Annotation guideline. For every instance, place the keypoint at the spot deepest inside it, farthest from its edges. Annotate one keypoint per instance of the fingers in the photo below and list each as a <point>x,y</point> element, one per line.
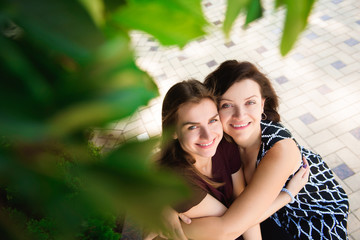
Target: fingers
<point>306,167</point>
<point>178,231</point>
<point>175,233</point>
<point>179,234</point>
<point>172,221</point>
<point>150,236</point>
<point>184,218</point>
<point>305,162</point>
<point>303,173</point>
<point>162,235</point>
<point>307,173</point>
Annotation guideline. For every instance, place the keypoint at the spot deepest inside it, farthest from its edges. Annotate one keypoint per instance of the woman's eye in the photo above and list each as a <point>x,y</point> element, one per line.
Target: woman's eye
<point>213,120</point>
<point>251,102</point>
<point>192,127</point>
<point>225,105</point>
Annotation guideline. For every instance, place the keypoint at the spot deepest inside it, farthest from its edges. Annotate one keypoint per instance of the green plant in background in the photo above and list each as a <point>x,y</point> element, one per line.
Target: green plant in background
<point>67,66</point>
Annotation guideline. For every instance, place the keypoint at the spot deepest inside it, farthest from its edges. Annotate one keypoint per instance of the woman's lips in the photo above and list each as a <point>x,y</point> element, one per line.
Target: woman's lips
<point>240,125</point>
<point>206,145</point>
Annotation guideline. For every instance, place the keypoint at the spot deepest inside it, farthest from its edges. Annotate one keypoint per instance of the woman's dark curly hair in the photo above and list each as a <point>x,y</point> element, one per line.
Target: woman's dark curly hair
<point>232,71</point>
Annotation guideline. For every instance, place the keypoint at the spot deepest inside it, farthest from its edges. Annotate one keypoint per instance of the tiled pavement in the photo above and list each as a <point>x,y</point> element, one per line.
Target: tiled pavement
<point>318,81</point>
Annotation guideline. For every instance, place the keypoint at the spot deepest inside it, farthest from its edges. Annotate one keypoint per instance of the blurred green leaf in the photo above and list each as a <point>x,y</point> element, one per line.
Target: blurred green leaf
<point>279,3</point>
<point>110,107</point>
<point>109,88</point>
<point>41,183</point>
<point>95,9</point>
<point>114,68</point>
<point>14,60</point>
<point>119,87</point>
<point>23,129</point>
<point>127,178</point>
<point>36,193</point>
<point>174,22</point>
<point>13,224</point>
<point>63,26</point>
<point>254,11</point>
<point>233,10</point>
<point>295,22</point>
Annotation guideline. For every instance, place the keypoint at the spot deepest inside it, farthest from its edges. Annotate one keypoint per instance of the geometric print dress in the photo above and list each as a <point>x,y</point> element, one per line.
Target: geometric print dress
<point>321,208</point>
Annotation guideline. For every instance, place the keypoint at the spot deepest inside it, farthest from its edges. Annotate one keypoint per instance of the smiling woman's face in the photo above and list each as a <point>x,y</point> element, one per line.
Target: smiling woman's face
<point>199,129</point>
<point>240,111</point>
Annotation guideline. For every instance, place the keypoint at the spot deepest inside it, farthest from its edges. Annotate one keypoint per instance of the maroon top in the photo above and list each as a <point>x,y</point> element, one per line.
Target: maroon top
<point>225,162</point>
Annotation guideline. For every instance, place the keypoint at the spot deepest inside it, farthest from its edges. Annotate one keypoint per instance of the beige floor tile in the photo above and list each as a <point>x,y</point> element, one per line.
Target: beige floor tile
<point>353,223</point>
<point>351,142</point>
<point>320,137</point>
<point>353,182</point>
<point>329,147</point>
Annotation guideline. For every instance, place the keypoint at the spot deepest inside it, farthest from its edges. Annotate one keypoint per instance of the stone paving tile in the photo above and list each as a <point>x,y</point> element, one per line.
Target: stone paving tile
<point>356,133</point>
<point>343,171</point>
<point>307,118</point>
<point>318,81</point>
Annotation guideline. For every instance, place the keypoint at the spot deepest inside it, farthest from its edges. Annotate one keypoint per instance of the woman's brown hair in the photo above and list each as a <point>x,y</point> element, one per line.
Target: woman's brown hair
<point>171,154</point>
<point>232,71</point>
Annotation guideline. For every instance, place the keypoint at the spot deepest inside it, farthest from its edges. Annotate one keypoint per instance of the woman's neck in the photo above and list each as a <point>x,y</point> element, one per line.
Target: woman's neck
<point>204,166</point>
<point>248,155</point>
<point>250,149</point>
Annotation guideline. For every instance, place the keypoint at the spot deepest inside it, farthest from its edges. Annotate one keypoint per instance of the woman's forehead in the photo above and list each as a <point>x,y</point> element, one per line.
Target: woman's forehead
<point>197,112</point>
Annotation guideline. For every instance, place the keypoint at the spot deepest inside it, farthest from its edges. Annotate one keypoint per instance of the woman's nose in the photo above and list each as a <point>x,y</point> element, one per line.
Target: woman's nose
<point>205,133</point>
<point>237,112</point>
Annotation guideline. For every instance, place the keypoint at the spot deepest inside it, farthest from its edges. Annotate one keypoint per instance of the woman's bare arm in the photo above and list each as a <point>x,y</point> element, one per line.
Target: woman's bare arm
<point>209,206</point>
<point>297,182</point>
<point>238,179</point>
<point>268,180</point>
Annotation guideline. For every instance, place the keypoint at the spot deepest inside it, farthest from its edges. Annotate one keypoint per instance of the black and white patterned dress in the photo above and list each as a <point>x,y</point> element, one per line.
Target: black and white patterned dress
<point>321,208</point>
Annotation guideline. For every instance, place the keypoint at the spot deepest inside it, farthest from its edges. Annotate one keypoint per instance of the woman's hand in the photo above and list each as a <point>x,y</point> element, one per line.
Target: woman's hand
<point>173,225</point>
<point>299,180</point>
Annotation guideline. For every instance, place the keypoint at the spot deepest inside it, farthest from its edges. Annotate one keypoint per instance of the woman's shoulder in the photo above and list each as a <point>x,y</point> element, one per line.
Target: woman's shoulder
<point>272,132</point>
<point>270,127</point>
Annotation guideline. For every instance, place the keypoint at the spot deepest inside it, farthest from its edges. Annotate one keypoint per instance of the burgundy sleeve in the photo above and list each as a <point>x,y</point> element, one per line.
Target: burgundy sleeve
<point>197,195</point>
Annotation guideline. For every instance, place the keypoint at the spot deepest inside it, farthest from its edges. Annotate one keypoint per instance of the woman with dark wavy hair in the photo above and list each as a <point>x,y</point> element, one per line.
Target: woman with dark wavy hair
<point>248,109</point>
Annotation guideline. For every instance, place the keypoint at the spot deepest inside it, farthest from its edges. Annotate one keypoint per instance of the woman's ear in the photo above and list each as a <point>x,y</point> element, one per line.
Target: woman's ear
<point>175,136</point>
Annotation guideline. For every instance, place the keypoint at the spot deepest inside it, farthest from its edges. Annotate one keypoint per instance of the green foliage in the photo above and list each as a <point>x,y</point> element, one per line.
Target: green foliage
<point>254,11</point>
<point>67,66</point>
<point>174,22</point>
<point>295,22</point>
<point>99,228</point>
<point>92,228</point>
<point>42,229</point>
<point>233,10</point>
<point>297,13</point>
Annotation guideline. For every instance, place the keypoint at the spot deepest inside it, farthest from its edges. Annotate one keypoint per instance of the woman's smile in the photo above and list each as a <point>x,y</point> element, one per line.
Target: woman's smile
<point>240,126</point>
<point>207,145</point>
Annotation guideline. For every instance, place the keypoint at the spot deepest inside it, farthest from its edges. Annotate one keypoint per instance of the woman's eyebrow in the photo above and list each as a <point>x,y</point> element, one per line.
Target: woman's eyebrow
<point>225,99</point>
<point>190,123</point>
<point>252,96</point>
<point>196,123</point>
<point>217,114</point>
